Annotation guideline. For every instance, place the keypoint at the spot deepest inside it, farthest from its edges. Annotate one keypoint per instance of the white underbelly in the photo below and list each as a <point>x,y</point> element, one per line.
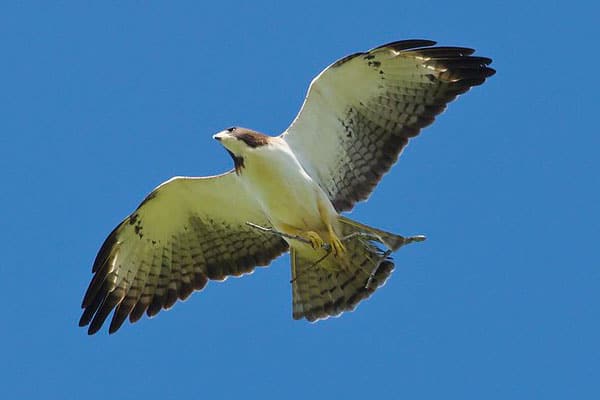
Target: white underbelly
<point>287,194</point>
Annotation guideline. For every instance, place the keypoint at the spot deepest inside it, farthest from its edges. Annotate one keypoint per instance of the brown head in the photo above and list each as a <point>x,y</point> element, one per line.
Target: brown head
<point>238,141</point>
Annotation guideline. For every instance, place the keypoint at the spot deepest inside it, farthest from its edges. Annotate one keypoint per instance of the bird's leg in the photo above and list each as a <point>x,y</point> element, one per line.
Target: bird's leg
<point>313,237</point>
<point>336,244</point>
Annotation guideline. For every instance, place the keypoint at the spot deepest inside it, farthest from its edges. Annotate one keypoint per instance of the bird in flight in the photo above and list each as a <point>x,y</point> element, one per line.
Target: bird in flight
<point>287,193</point>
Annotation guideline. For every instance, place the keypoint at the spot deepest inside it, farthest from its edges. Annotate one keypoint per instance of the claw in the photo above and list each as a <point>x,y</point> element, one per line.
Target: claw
<point>338,247</point>
<point>315,240</point>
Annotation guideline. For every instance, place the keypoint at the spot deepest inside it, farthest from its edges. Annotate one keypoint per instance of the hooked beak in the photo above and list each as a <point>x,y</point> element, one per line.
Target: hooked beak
<point>220,136</point>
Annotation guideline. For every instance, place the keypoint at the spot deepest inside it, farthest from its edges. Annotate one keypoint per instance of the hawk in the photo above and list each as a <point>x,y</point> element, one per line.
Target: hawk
<point>287,193</point>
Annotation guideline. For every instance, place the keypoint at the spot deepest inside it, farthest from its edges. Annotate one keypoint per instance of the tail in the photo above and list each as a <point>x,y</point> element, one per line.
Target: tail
<point>324,285</point>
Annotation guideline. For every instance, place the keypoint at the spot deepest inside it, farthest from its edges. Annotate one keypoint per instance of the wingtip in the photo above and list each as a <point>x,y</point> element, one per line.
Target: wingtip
<point>86,317</point>
<point>116,323</point>
<point>94,327</point>
<point>415,239</point>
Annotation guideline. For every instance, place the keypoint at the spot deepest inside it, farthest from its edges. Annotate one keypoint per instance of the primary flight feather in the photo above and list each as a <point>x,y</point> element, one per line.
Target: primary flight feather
<point>357,117</point>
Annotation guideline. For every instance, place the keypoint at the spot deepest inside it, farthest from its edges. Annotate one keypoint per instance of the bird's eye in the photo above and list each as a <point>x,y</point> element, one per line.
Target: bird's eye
<point>231,129</point>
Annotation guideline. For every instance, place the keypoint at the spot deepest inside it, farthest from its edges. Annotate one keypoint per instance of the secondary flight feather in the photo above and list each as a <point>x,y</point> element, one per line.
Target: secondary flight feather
<point>358,115</point>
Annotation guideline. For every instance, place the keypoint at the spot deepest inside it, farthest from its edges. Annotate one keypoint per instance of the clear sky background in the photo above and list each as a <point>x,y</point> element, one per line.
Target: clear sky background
<point>99,104</point>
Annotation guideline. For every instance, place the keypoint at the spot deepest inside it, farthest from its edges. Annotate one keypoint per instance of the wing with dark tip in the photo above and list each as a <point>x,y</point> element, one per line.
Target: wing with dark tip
<point>186,232</point>
<point>361,111</point>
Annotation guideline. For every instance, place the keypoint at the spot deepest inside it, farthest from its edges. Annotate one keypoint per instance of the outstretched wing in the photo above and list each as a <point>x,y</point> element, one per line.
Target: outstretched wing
<point>187,231</point>
<point>361,111</point>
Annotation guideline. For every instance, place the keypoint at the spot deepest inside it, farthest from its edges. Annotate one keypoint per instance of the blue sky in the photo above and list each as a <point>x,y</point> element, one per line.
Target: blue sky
<point>102,103</point>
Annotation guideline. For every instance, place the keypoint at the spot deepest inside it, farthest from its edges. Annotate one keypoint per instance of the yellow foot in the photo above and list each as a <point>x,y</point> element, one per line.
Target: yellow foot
<point>315,240</point>
<point>336,244</point>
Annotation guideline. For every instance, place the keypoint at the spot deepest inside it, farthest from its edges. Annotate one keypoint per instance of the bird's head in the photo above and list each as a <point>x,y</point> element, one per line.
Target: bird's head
<point>239,142</point>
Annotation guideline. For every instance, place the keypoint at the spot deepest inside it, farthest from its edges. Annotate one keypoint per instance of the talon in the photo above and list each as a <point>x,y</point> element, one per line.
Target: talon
<point>337,245</point>
<point>315,240</point>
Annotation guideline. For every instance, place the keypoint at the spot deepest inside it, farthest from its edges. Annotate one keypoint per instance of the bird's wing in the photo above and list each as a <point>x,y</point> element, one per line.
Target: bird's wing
<point>187,231</point>
<point>360,112</point>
